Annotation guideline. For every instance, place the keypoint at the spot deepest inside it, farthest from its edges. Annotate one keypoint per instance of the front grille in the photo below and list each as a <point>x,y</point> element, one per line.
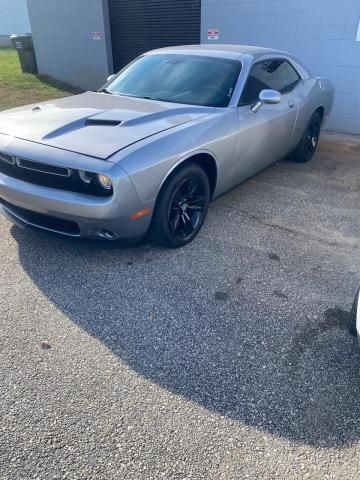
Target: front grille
<point>7,158</point>
<point>41,220</point>
<point>48,176</point>
<point>41,167</point>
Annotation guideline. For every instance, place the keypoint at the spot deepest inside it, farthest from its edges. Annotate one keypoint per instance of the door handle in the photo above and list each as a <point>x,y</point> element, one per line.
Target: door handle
<point>291,104</point>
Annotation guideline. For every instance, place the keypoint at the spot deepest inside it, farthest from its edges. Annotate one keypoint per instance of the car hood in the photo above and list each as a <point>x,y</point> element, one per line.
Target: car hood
<point>95,124</point>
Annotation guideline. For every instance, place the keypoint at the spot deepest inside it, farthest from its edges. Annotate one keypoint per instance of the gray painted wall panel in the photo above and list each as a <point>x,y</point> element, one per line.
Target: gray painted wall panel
<point>65,49</point>
<point>5,41</point>
<point>321,33</point>
<point>14,17</point>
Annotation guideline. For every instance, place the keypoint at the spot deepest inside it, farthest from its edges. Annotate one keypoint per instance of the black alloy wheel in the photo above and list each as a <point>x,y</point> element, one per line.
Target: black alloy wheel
<point>312,136</point>
<point>181,207</point>
<point>308,144</point>
<point>187,208</point>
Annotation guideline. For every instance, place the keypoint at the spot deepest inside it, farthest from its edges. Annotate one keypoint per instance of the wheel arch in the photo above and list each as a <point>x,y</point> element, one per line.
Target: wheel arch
<point>321,110</point>
<point>202,158</point>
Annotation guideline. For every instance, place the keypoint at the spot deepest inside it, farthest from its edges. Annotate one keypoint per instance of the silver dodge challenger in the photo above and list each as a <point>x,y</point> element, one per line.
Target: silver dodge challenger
<point>173,130</point>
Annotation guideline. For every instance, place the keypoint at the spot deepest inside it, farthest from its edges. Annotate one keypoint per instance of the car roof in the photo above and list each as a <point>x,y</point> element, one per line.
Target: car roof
<point>235,52</point>
<point>220,50</point>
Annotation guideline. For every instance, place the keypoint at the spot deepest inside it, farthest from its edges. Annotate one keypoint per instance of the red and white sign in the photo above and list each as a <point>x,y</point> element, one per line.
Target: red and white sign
<point>96,35</point>
<point>213,34</point>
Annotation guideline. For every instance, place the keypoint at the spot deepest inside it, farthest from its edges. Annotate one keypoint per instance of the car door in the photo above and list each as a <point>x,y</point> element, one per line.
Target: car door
<point>264,137</point>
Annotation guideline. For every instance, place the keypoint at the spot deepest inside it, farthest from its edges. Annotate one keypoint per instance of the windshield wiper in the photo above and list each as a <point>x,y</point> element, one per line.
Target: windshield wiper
<point>141,97</point>
<point>105,90</point>
<point>145,97</point>
<point>151,98</point>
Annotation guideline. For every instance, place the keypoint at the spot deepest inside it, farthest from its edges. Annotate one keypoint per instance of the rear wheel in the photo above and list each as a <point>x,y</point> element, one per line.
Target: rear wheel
<point>181,207</point>
<point>306,149</point>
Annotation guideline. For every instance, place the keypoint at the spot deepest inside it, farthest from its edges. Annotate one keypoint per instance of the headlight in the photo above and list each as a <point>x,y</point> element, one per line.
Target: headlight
<point>104,181</point>
<point>85,176</point>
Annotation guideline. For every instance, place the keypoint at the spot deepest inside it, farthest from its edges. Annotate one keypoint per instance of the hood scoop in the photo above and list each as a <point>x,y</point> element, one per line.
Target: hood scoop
<point>94,121</point>
<point>98,122</point>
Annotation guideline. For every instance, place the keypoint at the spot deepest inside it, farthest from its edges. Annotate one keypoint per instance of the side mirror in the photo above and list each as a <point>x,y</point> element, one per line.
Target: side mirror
<point>266,97</point>
<point>110,78</point>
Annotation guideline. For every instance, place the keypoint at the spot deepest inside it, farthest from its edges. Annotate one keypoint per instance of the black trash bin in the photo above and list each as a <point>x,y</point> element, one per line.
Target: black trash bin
<point>25,48</point>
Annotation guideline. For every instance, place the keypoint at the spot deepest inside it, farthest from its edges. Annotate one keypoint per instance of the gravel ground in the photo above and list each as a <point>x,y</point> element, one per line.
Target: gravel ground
<point>228,359</point>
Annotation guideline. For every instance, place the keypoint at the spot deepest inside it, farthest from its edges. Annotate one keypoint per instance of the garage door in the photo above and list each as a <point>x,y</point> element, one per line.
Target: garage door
<point>141,25</point>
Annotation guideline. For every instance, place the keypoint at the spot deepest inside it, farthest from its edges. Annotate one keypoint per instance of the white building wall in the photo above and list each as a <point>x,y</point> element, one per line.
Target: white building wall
<point>72,40</point>
<point>321,33</point>
<point>14,18</point>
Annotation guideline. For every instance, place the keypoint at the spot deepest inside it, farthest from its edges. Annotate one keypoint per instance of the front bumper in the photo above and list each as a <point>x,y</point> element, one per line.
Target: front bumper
<point>73,214</point>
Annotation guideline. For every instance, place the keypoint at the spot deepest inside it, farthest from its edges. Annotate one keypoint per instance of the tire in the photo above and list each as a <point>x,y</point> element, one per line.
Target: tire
<point>308,144</point>
<point>353,315</point>
<point>181,207</point>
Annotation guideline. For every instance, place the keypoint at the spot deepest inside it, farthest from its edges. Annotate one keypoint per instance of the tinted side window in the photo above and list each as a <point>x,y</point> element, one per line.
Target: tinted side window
<point>270,74</point>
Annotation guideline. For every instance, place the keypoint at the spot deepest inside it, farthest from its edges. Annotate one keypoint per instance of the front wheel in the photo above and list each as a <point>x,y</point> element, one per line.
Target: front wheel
<point>181,207</point>
<point>306,149</point>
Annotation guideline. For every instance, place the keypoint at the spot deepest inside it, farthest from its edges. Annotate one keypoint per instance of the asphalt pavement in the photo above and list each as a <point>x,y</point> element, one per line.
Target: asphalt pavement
<point>227,359</point>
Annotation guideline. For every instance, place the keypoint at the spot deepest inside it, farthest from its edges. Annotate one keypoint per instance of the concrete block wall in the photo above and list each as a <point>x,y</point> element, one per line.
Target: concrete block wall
<point>14,18</point>
<point>64,43</point>
<point>321,33</point>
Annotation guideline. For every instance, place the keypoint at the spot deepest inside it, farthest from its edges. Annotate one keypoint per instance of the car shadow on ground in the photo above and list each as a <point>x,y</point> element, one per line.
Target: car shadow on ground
<point>249,320</point>
<point>244,351</point>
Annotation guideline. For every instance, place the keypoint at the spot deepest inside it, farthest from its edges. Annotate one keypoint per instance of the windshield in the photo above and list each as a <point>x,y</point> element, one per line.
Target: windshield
<point>188,79</point>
